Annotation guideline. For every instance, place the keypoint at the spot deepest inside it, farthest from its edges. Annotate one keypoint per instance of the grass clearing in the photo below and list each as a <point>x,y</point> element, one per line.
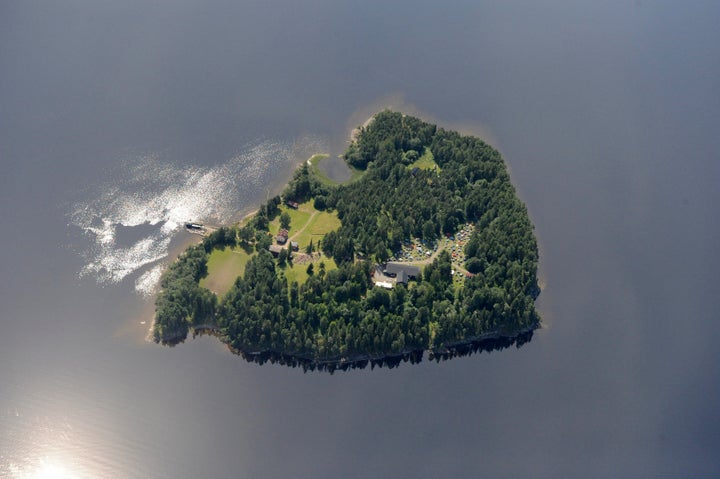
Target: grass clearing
<point>306,223</point>
<point>298,218</point>
<point>317,227</point>
<point>299,272</point>
<point>425,162</point>
<point>224,266</point>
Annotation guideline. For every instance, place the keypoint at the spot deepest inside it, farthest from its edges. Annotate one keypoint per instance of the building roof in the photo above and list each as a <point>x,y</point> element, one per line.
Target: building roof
<point>402,277</point>
<point>275,248</point>
<point>396,268</point>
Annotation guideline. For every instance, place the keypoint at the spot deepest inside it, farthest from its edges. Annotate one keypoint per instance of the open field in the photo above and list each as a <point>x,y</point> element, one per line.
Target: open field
<point>318,226</point>
<point>306,223</point>
<point>298,218</point>
<point>298,272</point>
<point>425,162</point>
<point>224,266</point>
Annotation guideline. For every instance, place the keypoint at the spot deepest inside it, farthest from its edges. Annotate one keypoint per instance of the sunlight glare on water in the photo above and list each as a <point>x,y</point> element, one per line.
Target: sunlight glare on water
<point>45,448</point>
<point>148,190</point>
<point>48,468</point>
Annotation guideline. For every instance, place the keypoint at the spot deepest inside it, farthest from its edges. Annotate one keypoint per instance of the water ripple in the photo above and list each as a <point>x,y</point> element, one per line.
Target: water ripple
<point>150,192</point>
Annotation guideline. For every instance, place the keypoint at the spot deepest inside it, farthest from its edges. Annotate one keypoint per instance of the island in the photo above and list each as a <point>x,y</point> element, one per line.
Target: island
<point>426,248</point>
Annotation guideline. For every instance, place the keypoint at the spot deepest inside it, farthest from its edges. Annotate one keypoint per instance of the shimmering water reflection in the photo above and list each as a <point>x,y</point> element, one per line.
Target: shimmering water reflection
<point>47,448</point>
<point>606,113</point>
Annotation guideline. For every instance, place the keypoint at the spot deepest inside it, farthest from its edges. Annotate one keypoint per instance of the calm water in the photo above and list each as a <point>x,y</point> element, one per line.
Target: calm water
<point>119,121</point>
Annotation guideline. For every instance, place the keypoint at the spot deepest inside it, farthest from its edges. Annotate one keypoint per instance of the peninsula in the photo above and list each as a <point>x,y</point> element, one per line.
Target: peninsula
<point>426,248</point>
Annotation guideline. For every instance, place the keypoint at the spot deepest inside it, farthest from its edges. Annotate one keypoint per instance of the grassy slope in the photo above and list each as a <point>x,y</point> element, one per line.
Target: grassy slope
<point>298,218</point>
<point>317,227</point>
<point>223,267</point>
<point>305,223</point>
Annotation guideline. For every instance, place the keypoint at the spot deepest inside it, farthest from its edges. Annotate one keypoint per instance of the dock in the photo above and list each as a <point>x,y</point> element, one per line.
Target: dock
<point>196,228</point>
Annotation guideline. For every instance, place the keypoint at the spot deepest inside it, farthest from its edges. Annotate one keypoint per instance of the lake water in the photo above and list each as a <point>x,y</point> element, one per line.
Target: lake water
<point>120,121</point>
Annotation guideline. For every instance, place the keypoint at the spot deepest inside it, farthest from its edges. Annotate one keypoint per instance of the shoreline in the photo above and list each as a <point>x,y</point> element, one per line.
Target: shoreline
<point>238,218</point>
<point>174,254</point>
<point>355,132</point>
<point>487,342</point>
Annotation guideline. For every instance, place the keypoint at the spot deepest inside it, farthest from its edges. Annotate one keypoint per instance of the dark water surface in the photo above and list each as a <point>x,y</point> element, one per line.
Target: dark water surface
<point>118,121</point>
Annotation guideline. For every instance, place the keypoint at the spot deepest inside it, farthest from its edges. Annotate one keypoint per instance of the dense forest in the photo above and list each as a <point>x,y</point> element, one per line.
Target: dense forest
<point>340,315</point>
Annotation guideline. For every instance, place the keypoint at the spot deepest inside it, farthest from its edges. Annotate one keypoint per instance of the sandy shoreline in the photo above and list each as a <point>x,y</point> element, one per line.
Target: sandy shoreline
<point>355,132</point>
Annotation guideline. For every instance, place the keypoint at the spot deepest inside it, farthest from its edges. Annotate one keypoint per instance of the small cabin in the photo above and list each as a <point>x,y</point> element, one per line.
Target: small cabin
<point>292,204</point>
<point>294,246</point>
<point>282,236</point>
<point>275,249</point>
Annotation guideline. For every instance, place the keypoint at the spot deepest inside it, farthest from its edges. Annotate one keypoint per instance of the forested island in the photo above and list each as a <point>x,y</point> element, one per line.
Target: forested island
<point>426,248</point>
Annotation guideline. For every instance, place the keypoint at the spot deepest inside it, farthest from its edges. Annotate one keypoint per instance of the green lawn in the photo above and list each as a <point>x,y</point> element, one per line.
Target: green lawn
<point>298,218</point>
<point>317,227</point>
<point>425,162</point>
<point>223,267</point>
<point>306,223</point>
<point>299,272</point>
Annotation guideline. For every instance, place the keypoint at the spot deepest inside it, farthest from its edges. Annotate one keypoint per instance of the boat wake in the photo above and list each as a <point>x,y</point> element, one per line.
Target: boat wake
<point>149,199</point>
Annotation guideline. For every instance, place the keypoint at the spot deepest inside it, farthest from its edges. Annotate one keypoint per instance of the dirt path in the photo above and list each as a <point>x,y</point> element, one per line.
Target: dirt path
<point>309,221</point>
